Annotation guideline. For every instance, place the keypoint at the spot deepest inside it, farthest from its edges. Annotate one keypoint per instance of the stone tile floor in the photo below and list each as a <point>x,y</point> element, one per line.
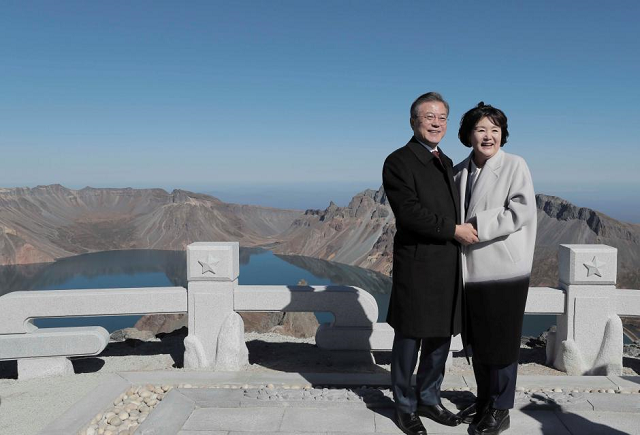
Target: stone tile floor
<point>245,403</point>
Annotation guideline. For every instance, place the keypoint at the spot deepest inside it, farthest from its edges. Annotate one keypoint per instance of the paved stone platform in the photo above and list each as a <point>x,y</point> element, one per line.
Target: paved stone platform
<point>236,403</point>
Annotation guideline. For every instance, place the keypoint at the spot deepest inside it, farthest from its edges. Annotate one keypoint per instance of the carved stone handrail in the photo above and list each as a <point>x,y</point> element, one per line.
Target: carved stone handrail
<point>627,302</point>
<point>545,300</point>
<point>351,306</point>
<point>18,308</point>
<point>588,337</point>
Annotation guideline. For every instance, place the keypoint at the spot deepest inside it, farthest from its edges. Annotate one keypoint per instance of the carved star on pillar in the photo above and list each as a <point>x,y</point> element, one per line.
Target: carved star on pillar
<point>593,268</point>
<point>208,266</point>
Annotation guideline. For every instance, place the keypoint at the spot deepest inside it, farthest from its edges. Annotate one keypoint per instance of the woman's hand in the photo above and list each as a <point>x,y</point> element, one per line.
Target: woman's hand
<point>466,235</point>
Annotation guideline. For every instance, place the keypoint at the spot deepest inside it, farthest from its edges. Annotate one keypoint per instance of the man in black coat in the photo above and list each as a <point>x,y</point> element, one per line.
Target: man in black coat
<point>425,307</point>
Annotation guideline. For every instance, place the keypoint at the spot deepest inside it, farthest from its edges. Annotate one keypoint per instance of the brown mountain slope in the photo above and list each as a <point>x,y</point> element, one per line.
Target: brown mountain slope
<point>49,222</point>
<point>362,233</point>
<point>561,222</point>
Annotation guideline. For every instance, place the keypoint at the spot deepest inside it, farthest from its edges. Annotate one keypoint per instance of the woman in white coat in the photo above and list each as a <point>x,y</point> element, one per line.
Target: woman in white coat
<point>497,198</point>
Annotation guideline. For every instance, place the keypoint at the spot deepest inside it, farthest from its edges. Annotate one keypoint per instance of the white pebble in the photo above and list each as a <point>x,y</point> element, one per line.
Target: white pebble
<point>123,416</point>
<point>115,421</point>
<point>557,390</point>
<point>91,430</point>
<point>270,386</point>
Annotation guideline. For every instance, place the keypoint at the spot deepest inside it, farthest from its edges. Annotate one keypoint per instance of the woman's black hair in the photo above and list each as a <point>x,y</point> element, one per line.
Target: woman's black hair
<point>473,116</point>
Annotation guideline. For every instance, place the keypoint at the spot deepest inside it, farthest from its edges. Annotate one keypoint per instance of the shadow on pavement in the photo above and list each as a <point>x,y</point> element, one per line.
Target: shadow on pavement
<point>632,363</point>
<point>9,369</point>
<point>575,424</point>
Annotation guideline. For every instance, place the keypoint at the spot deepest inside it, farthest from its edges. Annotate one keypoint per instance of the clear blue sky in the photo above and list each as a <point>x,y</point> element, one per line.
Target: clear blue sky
<point>217,96</point>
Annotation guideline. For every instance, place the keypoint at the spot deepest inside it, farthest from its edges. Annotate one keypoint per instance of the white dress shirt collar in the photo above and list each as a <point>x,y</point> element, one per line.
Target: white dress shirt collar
<point>428,147</point>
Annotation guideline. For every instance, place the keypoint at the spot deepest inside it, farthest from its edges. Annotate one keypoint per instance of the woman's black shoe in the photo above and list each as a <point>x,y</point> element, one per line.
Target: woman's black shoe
<point>410,423</point>
<point>493,422</point>
<point>439,414</point>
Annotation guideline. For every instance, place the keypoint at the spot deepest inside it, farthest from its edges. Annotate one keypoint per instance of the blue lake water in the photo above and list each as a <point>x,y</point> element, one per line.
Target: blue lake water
<point>151,268</point>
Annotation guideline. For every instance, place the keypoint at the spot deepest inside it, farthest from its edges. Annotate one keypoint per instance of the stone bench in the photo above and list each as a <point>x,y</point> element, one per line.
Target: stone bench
<point>44,352</point>
<point>54,342</point>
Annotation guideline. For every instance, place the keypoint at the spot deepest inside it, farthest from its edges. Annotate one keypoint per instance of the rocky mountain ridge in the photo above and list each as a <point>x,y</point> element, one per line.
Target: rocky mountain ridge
<point>48,222</point>
<point>368,224</point>
<point>360,234</point>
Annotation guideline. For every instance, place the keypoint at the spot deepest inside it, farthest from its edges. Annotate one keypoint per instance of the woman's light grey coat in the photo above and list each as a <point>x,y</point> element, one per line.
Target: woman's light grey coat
<point>496,270</point>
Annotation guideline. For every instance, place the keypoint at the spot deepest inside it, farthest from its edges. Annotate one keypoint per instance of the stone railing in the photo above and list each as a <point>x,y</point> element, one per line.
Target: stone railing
<point>588,339</point>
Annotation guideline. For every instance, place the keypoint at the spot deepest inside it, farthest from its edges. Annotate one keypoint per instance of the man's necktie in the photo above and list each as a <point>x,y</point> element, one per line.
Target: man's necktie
<point>436,154</point>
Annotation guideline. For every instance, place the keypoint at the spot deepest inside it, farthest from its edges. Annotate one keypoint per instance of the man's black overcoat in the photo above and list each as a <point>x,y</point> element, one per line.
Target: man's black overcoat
<point>427,291</point>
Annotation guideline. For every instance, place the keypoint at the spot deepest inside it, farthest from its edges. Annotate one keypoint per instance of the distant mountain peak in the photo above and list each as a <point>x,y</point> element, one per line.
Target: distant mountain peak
<point>601,224</point>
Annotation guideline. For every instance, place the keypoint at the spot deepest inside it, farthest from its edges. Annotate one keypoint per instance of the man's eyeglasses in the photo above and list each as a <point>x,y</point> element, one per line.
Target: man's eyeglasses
<point>431,117</point>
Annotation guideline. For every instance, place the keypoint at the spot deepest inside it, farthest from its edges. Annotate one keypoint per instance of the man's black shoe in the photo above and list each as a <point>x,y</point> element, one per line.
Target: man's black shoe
<point>439,414</point>
<point>472,414</point>
<point>493,422</point>
<point>410,423</point>
<point>468,414</point>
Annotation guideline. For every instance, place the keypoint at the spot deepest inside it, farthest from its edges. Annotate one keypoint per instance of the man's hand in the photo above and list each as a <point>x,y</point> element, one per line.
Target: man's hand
<point>466,235</point>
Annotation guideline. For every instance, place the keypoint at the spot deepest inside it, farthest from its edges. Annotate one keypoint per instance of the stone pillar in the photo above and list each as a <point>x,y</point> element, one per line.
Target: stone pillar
<point>216,331</point>
<point>588,338</point>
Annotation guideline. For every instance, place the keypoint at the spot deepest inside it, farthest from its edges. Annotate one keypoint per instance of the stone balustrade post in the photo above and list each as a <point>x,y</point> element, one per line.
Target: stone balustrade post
<point>588,337</point>
<point>216,332</point>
